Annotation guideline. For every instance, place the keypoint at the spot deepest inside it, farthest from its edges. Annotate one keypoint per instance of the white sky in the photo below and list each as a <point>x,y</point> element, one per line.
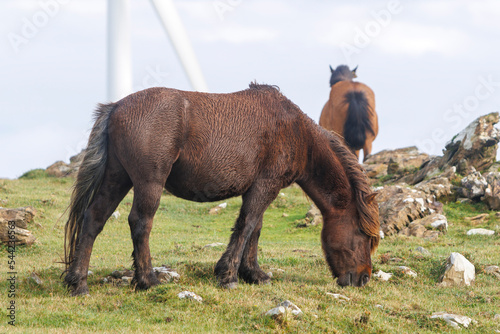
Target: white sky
<point>427,62</point>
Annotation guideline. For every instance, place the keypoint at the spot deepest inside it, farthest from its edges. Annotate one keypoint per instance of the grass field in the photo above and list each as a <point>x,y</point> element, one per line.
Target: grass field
<point>401,305</point>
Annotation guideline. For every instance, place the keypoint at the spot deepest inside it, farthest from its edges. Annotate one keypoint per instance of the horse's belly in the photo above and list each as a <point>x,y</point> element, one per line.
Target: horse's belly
<point>205,184</point>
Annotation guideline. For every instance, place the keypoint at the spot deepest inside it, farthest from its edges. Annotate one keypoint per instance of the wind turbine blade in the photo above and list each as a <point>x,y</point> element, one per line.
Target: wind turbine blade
<point>119,50</point>
<point>173,26</point>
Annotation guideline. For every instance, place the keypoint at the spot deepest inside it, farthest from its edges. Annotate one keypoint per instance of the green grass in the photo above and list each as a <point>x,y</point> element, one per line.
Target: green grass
<point>181,230</point>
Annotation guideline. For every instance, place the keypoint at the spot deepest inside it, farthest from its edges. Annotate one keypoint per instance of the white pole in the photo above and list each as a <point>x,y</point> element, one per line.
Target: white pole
<point>173,25</point>
<point>119,50</point>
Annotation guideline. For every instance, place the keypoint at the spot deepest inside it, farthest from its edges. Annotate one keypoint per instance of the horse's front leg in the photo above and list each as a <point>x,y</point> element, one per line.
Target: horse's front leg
<point>246,232</point>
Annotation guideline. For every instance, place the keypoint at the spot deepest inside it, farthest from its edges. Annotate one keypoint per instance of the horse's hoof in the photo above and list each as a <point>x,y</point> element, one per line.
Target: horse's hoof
<point>229,286</point>
<point>84,292</point>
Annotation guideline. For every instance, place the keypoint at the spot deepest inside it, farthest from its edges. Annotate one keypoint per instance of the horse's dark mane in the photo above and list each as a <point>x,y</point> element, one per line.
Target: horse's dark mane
<point>256,86</point>
<point>367,210</point>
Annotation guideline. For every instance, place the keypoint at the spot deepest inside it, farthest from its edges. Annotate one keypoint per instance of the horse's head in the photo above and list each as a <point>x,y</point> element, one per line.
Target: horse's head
<point>342,73</point>
<point>349,237</point>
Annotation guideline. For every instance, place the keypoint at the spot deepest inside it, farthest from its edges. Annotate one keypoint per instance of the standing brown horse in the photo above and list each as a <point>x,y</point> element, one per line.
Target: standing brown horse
<point>350,111</point>
<point>208,147</point>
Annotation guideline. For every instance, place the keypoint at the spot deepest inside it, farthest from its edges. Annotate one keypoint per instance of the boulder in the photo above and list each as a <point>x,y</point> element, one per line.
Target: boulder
<point>473,185</point>
<point>62,169</point>
<point>399,162</point>
<point>458,271</point>
<point>399,205</point>
<point>476,145</point>
<point>313,216</point>
<point>492,191</point>
<point>16,220</point>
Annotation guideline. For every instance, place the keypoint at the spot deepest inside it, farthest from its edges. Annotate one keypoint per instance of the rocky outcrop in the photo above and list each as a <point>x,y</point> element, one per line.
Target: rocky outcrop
<point>62,169</point>
<point>14,225</point>
<point>403,208</point>
<point>476,145</point>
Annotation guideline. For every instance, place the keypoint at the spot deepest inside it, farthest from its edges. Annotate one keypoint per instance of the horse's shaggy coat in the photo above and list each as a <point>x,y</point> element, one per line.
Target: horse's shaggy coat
<point>208,147</point>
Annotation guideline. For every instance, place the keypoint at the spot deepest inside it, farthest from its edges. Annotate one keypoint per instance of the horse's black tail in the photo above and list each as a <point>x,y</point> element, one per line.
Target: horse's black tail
<point>358,122</point>
<point>88,181</point>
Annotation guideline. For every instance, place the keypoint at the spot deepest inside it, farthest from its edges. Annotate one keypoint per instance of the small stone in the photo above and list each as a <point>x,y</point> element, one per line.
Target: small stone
<point>283,309</point>
<point>480,231</point>
<point>382,275</point>
<point>407,271</point>
<point>496,317</point>
<point>493,270</point>
<point>90,273</point>
<point>166,275</point>
<point>190,295</point>
<point>35,278</point>
<point>422,250</point>
<point>379,306</point>
<point>215,244</point>
<point>381,233</point>
<point>338,296</point>
<point>453,320</point>
<point>105,280</point>
<point>116,215</point>
<point>270,274</point>
<point>458,271</point>
<point>479,219</point>
<point>127,280</point>
<point>275,312</point>
<point>217,209</point>
<point>284,215</point>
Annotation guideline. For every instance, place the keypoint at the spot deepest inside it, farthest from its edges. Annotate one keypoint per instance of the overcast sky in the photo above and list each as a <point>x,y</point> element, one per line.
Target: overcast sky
<point>433,65</point>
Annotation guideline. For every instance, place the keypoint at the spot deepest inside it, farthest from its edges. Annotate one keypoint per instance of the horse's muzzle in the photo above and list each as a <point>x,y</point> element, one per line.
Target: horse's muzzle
<point>353,279</point>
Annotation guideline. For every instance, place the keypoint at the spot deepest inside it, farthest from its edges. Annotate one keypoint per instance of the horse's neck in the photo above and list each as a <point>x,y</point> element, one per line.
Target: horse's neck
<point>326,181</point>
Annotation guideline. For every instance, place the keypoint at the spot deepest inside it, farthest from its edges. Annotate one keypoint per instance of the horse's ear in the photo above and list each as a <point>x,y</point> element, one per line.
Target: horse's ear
<point>331,69</point>
<point>354,71</point>
<point>370,197</point>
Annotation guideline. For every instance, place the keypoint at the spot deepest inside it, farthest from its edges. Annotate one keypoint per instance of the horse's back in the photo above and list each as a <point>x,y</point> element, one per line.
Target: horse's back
<point>334,113</point>
<point>214,146</point>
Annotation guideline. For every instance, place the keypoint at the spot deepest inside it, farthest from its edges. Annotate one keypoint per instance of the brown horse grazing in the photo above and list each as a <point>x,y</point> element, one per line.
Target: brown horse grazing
<point>350,111</point>
<point>208,147</point>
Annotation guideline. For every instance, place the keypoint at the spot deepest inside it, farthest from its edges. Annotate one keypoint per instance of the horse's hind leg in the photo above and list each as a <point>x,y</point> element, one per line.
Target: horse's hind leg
<point>146,201</point>
<point>255,202</point>
<point>249,268</point>
<point>114,187</point>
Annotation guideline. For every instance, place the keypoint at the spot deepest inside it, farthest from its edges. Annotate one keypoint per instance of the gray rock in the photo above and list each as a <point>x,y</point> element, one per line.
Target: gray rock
<point>492,191</point>
<point>458,271</point>
<point>18,220</point>
<point>313,216</point>
<point>215,244</point>
<point>422,250</point>
<point>473,185</point>
<point>338,296</point>
<point>284,309</point>
<point>453,320</point>
<point>493,270</point>
<point>407,271</point>
<point>383,276</point>
<point>35,278</point>
<point>166,275</point>
<point>190,295</point>
<point>480,231</point>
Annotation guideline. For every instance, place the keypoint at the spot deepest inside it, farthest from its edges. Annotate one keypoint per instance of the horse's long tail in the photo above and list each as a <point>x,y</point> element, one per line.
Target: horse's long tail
<point>88,181</point>
<point>358,122</point>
